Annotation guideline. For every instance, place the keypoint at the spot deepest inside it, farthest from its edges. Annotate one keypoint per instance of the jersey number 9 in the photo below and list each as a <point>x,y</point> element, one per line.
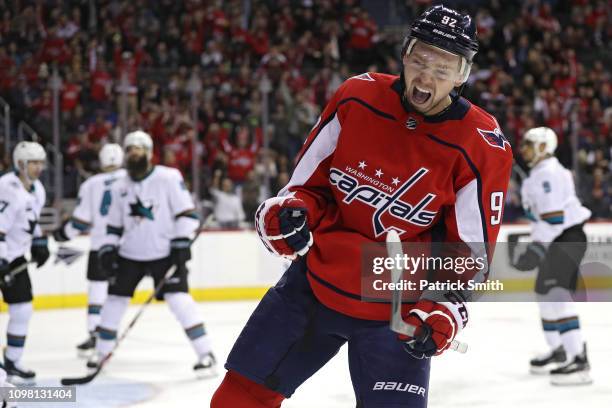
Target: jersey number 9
<point>497,203</point>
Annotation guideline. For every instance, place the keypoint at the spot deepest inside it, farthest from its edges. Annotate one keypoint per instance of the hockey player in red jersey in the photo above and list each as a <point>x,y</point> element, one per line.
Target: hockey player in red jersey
<point>405,153</point>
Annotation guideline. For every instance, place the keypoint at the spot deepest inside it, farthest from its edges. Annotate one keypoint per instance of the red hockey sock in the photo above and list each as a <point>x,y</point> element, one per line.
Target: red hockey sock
<point>238,391</point>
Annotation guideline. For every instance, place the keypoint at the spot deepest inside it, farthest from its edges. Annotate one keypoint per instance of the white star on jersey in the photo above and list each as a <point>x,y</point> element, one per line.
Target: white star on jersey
<point>395,181</point>
<point>379,173</point>
<point>362,165</point>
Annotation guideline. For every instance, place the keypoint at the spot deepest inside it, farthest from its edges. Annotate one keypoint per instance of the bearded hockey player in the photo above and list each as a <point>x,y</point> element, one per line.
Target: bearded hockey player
<point>557,248</point>
<point>150,221</point>
<point>22,197</point>
<point>89,216</point>
<point>388,153</point>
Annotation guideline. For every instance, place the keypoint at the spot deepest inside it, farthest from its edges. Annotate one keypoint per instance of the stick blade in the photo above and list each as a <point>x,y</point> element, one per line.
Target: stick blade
<point>79,380</point>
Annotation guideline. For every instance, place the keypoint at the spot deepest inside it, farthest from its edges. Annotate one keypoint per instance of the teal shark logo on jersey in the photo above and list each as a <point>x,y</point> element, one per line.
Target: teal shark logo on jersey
<point>138,209</point>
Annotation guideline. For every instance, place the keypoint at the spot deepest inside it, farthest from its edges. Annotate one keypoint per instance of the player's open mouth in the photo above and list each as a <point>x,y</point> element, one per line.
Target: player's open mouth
<point>420,96</point>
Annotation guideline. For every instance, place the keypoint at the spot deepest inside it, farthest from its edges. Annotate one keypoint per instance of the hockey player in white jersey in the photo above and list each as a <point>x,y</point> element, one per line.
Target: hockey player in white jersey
<point>150,220</point>
<point>557,248</point>
<point>22,197</point>
<point>89,216</point>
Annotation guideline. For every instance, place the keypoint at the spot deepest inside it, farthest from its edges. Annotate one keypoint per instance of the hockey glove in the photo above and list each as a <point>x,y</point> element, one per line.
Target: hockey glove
<point>436,329</point>
<point>180,252</point>
<point>282,226</point>
<point>39,251</point>
<point>531,258</point>
<point>59,235</point>
<point>108,258</point>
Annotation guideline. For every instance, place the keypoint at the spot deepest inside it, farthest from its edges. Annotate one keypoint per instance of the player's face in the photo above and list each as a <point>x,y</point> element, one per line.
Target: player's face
<point>430,74</point>
<point>135,153</point>
<point>527,151</point>
<point>34,168</point>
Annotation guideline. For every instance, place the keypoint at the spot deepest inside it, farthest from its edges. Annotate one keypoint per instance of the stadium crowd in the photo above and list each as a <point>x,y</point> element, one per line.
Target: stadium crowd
<point>540,63</point>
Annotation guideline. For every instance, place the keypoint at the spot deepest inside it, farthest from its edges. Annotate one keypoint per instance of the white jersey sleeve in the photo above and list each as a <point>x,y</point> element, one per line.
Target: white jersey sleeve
<point>95,199</point>
<point>19,214</point>
<point>114,218</point>
<point>550,201</point>
<point>182,206</point>
<point>39,197</point>
<point>83,212</point>
<point>9,212</point>
<point>180,197</point>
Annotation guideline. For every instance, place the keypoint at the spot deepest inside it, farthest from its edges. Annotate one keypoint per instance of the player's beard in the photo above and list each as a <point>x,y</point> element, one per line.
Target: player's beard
<point>137,167</point>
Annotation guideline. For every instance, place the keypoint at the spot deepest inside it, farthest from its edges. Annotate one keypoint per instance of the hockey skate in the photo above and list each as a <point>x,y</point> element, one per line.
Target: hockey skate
<point>575,372</point>
<point>545,363</point>
<point>205,367</point>
<point>4,384</point>
<point>85,349</point>
<point>17,373</point>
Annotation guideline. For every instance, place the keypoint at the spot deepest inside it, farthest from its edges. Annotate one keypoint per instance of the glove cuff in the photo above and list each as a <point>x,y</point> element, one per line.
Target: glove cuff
<point>39,241</point>
<point>106,248</point>
<point>180,243</point>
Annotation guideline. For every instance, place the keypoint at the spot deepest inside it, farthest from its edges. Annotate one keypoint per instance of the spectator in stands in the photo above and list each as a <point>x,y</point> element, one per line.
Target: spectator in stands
<point>228,209</point>
<point>540,63</point>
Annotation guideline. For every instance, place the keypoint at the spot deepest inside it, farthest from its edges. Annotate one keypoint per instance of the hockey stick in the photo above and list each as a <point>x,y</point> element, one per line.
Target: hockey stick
<point>396,323</point>
<point>88,378</point>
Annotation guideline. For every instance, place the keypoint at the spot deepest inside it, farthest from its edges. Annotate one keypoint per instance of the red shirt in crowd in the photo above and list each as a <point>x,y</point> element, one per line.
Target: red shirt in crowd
<point>241,158</point>
<point>101,83</point>
<point>71,93</point>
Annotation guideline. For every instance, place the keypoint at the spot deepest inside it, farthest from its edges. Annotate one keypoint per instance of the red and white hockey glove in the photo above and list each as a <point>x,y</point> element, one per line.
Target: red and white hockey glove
<point>282,226</point>
<point>437,325</point>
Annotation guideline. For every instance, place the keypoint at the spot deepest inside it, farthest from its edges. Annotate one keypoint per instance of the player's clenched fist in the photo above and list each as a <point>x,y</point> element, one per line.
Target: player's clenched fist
<point>436,328</point>
<point>282,226</point>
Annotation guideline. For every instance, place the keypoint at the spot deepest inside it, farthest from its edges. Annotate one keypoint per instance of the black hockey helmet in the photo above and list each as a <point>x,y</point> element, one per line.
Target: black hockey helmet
<point>446,29</point>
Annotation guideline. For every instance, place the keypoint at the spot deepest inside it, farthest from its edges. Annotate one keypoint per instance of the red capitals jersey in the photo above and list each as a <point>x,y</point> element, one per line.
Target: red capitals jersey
<point>371,164</point>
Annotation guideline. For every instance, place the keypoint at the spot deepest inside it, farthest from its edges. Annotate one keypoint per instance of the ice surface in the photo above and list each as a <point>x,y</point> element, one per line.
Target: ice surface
<point>152,368</point>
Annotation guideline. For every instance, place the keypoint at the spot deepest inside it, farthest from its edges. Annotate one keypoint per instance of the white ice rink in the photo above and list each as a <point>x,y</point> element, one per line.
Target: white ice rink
<point>152,368</point>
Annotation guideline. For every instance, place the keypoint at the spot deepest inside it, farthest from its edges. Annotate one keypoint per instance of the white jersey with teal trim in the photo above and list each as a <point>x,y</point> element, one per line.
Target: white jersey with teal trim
<point>550,201</point>
<point>19,213</point>
<point>94,201</point>
<point>144,213</point>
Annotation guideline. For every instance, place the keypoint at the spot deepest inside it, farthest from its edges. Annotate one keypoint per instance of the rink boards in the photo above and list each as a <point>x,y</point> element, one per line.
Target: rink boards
<point>227,265</point>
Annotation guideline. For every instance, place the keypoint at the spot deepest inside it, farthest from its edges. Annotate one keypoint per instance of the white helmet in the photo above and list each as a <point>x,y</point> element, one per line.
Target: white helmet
<point>139,138</point>
<point>541,136</point>
<point>111,154</point>
<point>28,151</point>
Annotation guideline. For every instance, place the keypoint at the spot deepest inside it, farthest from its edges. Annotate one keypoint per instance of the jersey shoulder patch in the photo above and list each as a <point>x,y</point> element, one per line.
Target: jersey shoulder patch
<point>363,77</point>
<point>488,130</point>
<point>495,138</point>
